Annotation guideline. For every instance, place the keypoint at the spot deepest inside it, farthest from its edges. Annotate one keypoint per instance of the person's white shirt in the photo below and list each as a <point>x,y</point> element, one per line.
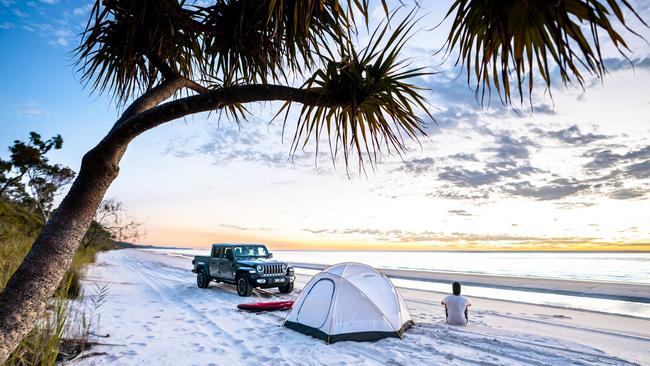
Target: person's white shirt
<point>456,305</point>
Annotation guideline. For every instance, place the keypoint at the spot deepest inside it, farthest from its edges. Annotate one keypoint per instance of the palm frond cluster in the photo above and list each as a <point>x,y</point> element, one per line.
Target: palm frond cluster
<point>258,41</point>
<point>130,46</point>
<point>379,105</point>
<point>500,40</point>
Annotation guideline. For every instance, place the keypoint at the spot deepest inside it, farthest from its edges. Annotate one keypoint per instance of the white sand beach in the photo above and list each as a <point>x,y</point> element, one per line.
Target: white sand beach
<point>154,313</point>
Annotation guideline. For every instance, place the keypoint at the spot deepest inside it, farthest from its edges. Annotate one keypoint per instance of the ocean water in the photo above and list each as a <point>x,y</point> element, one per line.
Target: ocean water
<point>591,266</point>
<point>588,266</point>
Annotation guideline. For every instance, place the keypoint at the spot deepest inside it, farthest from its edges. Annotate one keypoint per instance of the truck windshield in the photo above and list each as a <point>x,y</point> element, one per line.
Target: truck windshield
<point>250,251</point>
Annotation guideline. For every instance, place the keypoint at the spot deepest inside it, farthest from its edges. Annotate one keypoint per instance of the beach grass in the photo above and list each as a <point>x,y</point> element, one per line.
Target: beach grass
<point>62,324</point>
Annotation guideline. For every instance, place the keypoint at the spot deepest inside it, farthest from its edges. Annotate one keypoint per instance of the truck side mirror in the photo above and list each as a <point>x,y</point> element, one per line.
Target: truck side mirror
<point>270,255</point>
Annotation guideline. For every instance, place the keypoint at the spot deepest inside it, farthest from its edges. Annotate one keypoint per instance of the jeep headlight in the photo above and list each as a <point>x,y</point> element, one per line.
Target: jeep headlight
<point>259,268</point>
<point>284,268</point>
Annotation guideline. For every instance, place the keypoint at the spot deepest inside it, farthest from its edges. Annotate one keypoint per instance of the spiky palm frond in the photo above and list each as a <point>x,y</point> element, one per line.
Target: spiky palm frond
<point>128,44</point>
<point>257,41</point>
<point>497,38</point>
<point>377,102</point>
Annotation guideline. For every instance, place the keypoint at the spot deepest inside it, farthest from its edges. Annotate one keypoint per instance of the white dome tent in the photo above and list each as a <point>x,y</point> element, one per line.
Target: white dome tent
<point>349,302</point>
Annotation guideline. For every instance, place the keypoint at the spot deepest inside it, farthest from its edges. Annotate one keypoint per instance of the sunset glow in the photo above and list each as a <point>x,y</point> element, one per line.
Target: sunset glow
<point>572,174</point>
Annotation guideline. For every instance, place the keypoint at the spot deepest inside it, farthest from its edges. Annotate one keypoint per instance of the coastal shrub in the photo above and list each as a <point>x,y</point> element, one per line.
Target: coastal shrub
<point>63,328</point>
<point>18,229</point>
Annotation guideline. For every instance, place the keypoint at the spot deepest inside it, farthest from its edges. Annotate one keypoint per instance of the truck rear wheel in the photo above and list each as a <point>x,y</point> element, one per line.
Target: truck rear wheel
<point>202,279</point>
<point>244,287</point>
<point>286,288</point>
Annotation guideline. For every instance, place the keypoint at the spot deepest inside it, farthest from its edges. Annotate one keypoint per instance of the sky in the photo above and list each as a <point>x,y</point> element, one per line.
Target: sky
<point>570,173</point>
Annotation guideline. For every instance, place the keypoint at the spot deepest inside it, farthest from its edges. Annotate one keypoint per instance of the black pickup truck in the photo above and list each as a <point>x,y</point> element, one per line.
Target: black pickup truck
<point>245,265</point>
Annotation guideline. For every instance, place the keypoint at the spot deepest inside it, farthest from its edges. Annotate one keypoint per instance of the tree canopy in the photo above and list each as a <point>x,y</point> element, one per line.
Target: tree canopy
<point>28,177</point>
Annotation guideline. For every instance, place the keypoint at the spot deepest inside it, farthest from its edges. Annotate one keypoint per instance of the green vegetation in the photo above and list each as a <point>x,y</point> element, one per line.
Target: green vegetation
<point>28,184</point>
<point>59,325</point>
<point>28,177</point>
<point>41,346</point>
<point>18,229</point>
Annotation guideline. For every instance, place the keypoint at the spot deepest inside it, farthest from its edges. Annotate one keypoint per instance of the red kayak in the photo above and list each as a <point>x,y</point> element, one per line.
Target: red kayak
<point>266,306</point>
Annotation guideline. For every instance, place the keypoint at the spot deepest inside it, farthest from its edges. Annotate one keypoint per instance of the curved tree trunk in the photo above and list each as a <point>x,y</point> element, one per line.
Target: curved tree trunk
<point>38,277</point>
<point>40,273</point>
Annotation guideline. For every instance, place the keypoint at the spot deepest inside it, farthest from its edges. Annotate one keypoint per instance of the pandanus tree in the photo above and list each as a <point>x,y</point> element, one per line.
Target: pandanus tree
<point>165,59</point>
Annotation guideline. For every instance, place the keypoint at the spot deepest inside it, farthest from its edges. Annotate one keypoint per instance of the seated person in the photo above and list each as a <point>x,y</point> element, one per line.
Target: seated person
<point>456,306</point>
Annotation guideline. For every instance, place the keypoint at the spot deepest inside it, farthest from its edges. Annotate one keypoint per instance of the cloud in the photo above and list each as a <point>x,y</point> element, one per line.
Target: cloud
<point>421,166</point>
<point>615,64</point>
<point>451,194</point>
<point>7,25</point>
<point>60,41</point>
<point>61,38</point>
<point>555,189</point>
<point>468,239</point>
<point>571,135</point>
<point>82,11</point>
<point>53,22</point>
<point>573,205</point>
<point>463,157</point>
<point>510,160</point>
<point>502,165</point>
<point>243,228</point>
<point>508,147</point>
<point>251,143</point>
<point>20,13</point>
<point>460,213</point>
<point>417,166</point>
<point>639,170</point>
<point>606,158</point>
<point>628,194</point>
<point>503,157</point>
<point>462,177</point>
<point>316,231</point>
<point>31,110</point>
<point>452,116</point>
<point>458,102</point>
<point>355,231</point>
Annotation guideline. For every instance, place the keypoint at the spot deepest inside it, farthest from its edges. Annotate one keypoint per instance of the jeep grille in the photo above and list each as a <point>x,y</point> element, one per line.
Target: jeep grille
<point>273,270</point>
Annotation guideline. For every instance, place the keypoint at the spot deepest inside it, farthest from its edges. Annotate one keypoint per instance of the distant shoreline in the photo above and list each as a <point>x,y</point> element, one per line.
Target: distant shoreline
<point>125,245</point>
<point>466,251</point>
<point>136,246</point>
<point>621,291</point>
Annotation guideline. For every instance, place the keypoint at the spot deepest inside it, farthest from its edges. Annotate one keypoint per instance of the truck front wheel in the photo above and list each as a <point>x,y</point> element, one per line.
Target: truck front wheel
<point>244,287</point>
<point>202,279</point>
<point>286,288</point>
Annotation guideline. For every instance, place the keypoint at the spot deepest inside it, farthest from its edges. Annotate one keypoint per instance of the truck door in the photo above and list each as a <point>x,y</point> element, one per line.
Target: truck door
<point>214,261</point>
<point>227,264</point>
